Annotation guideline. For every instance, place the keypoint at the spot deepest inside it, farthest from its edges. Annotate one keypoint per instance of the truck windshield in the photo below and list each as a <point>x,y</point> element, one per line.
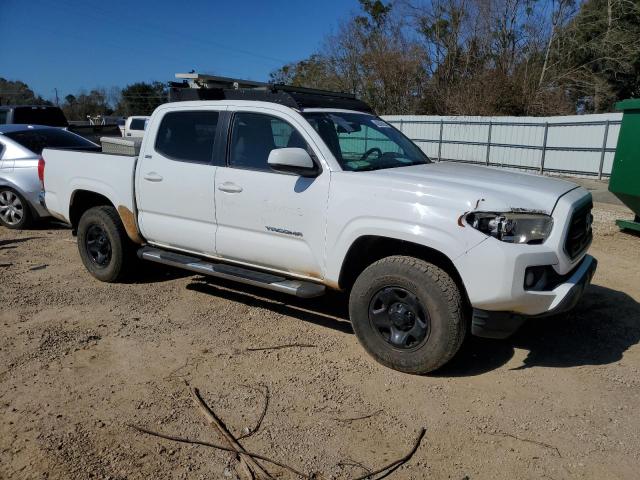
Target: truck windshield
<point>364,142</point>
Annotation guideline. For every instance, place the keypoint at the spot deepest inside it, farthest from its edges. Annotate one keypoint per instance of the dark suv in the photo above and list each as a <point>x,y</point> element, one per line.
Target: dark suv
<point>50,116</point>
<point>33,115</point>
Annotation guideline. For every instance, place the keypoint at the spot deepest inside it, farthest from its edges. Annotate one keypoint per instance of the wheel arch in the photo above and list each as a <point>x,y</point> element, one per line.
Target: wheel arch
<point>368,249</point>
<point>11,185</point>
<point>82,200</point>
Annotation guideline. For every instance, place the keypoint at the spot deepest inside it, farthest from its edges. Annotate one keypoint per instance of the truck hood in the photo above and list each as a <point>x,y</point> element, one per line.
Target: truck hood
<point>475,187</point>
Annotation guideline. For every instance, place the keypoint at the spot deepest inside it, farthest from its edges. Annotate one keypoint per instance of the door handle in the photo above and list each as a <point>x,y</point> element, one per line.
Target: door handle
<point>153,177</point>
<point>230,187</point>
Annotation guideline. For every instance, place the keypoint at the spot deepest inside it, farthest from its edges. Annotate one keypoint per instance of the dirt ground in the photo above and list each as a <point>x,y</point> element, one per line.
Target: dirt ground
<point>81,360</point>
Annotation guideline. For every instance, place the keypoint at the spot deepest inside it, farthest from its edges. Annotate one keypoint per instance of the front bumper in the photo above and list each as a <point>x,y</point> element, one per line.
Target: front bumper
<point>501,324</point>
<point>493,272</point>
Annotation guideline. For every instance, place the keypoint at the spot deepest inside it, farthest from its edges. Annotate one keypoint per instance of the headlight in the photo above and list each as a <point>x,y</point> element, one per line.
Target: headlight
<point>512,227</point>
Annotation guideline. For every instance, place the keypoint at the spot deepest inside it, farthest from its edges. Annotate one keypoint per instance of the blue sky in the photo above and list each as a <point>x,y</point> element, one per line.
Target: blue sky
<point>74,44</point>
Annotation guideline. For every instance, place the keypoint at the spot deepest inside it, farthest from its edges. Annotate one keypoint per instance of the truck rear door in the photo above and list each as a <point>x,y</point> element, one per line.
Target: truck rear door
<point>175,179</point>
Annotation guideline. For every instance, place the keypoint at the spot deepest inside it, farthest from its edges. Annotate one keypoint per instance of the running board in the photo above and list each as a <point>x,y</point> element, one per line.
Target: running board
<point>299,288</point>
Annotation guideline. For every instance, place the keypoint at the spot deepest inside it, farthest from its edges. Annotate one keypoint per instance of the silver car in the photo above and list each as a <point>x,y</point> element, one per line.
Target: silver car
<point>20,149</point>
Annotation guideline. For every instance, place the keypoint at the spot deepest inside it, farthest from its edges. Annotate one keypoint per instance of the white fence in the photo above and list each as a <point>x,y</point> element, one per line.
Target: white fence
<point>582,145</point>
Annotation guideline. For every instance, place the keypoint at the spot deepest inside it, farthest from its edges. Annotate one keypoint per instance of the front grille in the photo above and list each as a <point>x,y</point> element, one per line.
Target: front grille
<point>580,232</point>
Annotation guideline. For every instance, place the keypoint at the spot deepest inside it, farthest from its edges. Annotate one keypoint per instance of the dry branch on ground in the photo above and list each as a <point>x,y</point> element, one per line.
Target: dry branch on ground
<point>248,467</point>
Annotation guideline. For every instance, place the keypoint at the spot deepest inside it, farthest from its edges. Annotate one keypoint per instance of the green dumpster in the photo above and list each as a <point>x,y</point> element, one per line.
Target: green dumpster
<point>625,175</point>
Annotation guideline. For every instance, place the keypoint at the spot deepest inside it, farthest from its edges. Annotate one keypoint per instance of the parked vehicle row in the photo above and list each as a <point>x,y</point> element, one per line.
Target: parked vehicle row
<point>25,130</point>
<point>20,155</point>
<point>51,116</point>
<point>47,115</point>
<point>302,191</point>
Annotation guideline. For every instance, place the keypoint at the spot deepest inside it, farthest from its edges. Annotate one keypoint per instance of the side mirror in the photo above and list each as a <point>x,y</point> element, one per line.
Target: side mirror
<point>293,160</point>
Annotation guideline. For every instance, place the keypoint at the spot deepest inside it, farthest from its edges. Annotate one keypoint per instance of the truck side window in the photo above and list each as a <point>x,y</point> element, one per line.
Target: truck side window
<point>254,135</point>
<point>3,116</point>
<point>187,136</point>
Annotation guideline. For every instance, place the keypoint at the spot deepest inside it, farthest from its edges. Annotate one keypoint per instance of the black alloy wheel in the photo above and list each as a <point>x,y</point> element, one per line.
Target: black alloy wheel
<point>98,245</point>
<point>399,317</point>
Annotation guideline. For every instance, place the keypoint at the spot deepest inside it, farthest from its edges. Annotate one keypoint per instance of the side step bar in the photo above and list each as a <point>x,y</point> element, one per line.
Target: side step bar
<point>299,288</point>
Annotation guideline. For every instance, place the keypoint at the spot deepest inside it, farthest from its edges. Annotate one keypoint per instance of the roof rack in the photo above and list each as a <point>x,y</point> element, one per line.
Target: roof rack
<point>201,80</point>
<point>196,86</point>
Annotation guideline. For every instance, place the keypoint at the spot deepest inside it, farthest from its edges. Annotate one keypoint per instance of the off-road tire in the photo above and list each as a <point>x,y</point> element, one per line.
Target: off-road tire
<point>437,293</point>
<point>107,219</point>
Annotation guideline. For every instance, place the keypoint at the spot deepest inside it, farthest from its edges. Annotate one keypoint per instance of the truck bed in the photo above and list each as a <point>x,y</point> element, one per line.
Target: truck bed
<point>94,132</point>
<point>68,172</point>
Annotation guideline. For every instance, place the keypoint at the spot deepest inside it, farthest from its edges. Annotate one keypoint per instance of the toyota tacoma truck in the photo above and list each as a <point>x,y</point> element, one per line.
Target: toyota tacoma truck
<point>303,191</point>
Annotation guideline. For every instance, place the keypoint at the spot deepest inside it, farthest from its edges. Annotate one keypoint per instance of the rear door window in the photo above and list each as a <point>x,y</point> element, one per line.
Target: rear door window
<point>38,139</point>
<point>188,136</point>
<point>4,114</point>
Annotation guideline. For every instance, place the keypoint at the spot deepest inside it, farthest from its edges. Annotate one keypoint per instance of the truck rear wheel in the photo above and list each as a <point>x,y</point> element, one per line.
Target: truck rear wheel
<point>103,243</point>
<point>408,314</point>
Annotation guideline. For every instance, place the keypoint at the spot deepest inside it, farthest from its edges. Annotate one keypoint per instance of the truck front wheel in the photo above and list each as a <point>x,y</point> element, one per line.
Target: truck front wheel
<point>408,314</point>
<point>103,243</point>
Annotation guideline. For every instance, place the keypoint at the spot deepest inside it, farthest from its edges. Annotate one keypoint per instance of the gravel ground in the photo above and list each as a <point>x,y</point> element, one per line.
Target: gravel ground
<point>81,360</point>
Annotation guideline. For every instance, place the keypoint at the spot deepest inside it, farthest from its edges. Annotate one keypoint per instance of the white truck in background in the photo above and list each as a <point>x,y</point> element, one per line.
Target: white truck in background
<point>301,191</point>
<point>135,126</point>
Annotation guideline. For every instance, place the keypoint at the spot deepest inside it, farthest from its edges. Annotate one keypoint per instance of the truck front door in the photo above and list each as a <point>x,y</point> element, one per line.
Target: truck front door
<point>266,218</point>
<point>175,180</point>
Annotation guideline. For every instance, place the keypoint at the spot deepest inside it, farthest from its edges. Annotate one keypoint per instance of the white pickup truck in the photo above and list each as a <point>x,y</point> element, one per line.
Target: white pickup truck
<point>301,192</point>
